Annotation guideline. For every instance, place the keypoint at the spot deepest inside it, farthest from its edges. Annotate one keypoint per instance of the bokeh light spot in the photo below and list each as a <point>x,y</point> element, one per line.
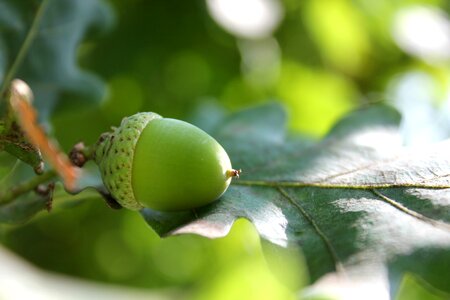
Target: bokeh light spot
<point>423,32</point>
<point>247,18</point>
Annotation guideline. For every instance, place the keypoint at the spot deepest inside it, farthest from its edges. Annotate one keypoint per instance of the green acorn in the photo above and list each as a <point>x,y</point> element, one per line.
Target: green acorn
<point>161,163</point>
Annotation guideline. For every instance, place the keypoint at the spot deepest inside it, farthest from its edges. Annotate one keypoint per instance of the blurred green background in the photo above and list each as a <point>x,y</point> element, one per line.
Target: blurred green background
<point>320,58</point>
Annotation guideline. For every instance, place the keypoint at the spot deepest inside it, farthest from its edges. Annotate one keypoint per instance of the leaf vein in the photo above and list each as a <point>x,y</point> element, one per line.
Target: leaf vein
<point>412,213</point>
<point>338,265</point>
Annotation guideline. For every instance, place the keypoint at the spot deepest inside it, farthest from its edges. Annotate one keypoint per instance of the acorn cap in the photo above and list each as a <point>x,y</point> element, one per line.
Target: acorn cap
<point>114,156</point>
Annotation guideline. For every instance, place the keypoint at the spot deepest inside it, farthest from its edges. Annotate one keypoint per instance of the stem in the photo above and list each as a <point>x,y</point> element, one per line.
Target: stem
<point>26,186</point>
<point>80,154</point>
<point>24,48</point>
<point>233,173</point>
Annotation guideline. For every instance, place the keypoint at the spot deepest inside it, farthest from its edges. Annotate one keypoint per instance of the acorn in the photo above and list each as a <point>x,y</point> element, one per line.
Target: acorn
<point>163,164</point>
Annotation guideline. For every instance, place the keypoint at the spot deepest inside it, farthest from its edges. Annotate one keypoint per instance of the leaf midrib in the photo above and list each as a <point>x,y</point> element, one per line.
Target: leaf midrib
<point>367,186</point>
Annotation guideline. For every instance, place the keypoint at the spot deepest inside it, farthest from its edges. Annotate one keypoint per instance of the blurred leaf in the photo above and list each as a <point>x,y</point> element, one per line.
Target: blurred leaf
<point>207,116</point>
<point>7,167</point>
<point>315,98</point>
<point>20,280</point>
<point>49,64</point>
<point>361,206</point>
<point>23,209</point>
<point>339,28</point>
<point>239,283</point>
<point>414,289</point>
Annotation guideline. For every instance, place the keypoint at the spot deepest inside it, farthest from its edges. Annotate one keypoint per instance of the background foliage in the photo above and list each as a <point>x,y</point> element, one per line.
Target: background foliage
<point>94,62</point>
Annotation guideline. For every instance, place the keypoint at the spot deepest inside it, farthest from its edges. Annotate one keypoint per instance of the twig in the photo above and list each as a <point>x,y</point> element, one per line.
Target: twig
<point>26,186</point>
